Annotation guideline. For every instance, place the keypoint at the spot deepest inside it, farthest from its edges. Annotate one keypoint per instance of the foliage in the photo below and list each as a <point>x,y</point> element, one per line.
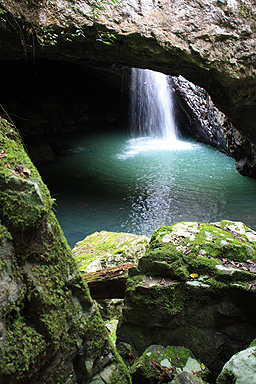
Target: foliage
<point>32,33</point>
<point>99,5</point>
<point>46,36</point>
<point>2,13</point>
<point>106,38</point>
<point>24,347</point>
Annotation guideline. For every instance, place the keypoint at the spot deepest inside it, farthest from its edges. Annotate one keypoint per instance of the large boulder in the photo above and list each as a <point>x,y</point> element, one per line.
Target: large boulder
<point>50,329</point>
<point>195,287</point>
<point>104,259</point>
<point>240,369</point>
<point>103,250</point>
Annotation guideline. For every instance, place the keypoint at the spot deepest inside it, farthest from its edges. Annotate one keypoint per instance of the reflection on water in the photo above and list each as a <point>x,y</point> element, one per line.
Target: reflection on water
<point>116,183</point>
<point>136,146</point>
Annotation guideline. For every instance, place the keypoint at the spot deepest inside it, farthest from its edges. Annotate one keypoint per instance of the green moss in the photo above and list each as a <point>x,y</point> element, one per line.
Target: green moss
<point>203,265</point>
<point>133,282</point>
<point>164,261</point>
<point>226,378</point>
<point>158,303</point>
<point>49,311</point>
<point>48,286</point>
<point>99,342</point>
<point>121,374</point>
<point>24,199</point>
<point>205,249</point>
<point>217,285</point>
<point>109,247</point>
<point>24,348</point>
<point>162,364</point>
<point>98,335</point>
<point>6,250</point>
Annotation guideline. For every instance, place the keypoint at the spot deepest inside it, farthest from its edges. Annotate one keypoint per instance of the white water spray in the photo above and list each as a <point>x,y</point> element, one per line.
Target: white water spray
<point>151,115</point>
<point>151,105</point>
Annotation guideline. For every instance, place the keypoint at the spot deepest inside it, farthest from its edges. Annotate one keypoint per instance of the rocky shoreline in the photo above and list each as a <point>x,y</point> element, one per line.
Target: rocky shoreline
<point>194,287</point>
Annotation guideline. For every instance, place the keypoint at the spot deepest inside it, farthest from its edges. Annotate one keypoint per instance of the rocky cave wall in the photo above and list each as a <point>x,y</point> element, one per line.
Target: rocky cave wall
<point>47,99</point>
<point>197,116</point>
<point>53,320</point>
<point>211,44</point>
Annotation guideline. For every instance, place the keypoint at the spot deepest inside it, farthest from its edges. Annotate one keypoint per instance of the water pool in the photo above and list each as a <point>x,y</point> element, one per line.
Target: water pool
<point>113,182</point>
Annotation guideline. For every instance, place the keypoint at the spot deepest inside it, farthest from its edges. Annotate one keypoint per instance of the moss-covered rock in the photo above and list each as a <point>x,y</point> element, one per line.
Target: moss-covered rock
<point>253,343</point>
<point>24,200</point>
<point>194,287</point>
<point>108,249</point>
<point>50,329</point>
<point>159,364</point>
<point>100,258</point>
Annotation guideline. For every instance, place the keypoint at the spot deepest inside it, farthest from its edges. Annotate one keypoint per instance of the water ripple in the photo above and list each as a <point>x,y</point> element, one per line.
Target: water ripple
<point>136,185</point>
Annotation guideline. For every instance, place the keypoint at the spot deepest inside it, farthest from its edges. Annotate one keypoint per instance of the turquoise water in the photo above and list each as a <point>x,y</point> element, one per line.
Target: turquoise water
<point>112,182</point>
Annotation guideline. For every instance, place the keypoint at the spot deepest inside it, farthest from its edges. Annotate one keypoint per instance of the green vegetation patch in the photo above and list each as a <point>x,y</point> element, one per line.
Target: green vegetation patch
<point>98,342</point>
<point>163,364</point>
<point>24,348</point>
<point>106,249</point>
<point>203,253</point>
<point>160,301</point>
<point>24,199</point>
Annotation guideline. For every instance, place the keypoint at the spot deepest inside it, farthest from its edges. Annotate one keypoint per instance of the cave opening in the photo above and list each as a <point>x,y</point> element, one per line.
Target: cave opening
<point>73,121</point>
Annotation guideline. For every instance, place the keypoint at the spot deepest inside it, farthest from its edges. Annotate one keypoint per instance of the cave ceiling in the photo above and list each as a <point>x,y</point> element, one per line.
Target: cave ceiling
<point>211,44</point>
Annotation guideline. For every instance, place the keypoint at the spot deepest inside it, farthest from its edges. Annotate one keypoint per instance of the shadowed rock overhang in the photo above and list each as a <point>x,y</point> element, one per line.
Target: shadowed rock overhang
<point>211,44</point>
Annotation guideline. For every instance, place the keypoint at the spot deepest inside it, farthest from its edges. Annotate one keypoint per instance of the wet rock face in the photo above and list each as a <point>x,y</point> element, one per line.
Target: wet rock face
<point>211,44</point>
<point>199,117</point>
<point>195,287</point>
<point>240,369</point>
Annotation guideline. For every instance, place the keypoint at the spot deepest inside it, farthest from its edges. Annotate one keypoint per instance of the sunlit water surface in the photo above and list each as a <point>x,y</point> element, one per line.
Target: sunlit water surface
<point>112,182</point>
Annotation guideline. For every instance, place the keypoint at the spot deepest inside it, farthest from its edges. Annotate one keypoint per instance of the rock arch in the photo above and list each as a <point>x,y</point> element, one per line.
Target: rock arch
<point>212,45</point>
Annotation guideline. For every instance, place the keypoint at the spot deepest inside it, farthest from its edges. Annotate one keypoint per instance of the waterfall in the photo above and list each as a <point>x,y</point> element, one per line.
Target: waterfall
<point>151,109</point>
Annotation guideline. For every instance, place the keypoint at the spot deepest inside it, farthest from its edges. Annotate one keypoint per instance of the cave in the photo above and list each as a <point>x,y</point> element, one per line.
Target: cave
<point>63,108</point>
<point>64,75</point>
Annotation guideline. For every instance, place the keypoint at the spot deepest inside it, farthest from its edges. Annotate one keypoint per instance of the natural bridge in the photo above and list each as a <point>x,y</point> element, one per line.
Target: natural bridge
<point>211,44</point>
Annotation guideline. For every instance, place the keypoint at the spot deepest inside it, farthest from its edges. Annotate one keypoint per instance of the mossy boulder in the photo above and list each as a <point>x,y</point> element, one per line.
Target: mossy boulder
<point>159,364</point>
<point>104,259</point>
<point>50,329</point>
<point>240,369</point>
<point>194,287</point>
<point>104,249</point>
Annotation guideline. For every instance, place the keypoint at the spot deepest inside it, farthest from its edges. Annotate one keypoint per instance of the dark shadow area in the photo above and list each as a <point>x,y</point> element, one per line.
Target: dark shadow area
<point>45,99</point>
